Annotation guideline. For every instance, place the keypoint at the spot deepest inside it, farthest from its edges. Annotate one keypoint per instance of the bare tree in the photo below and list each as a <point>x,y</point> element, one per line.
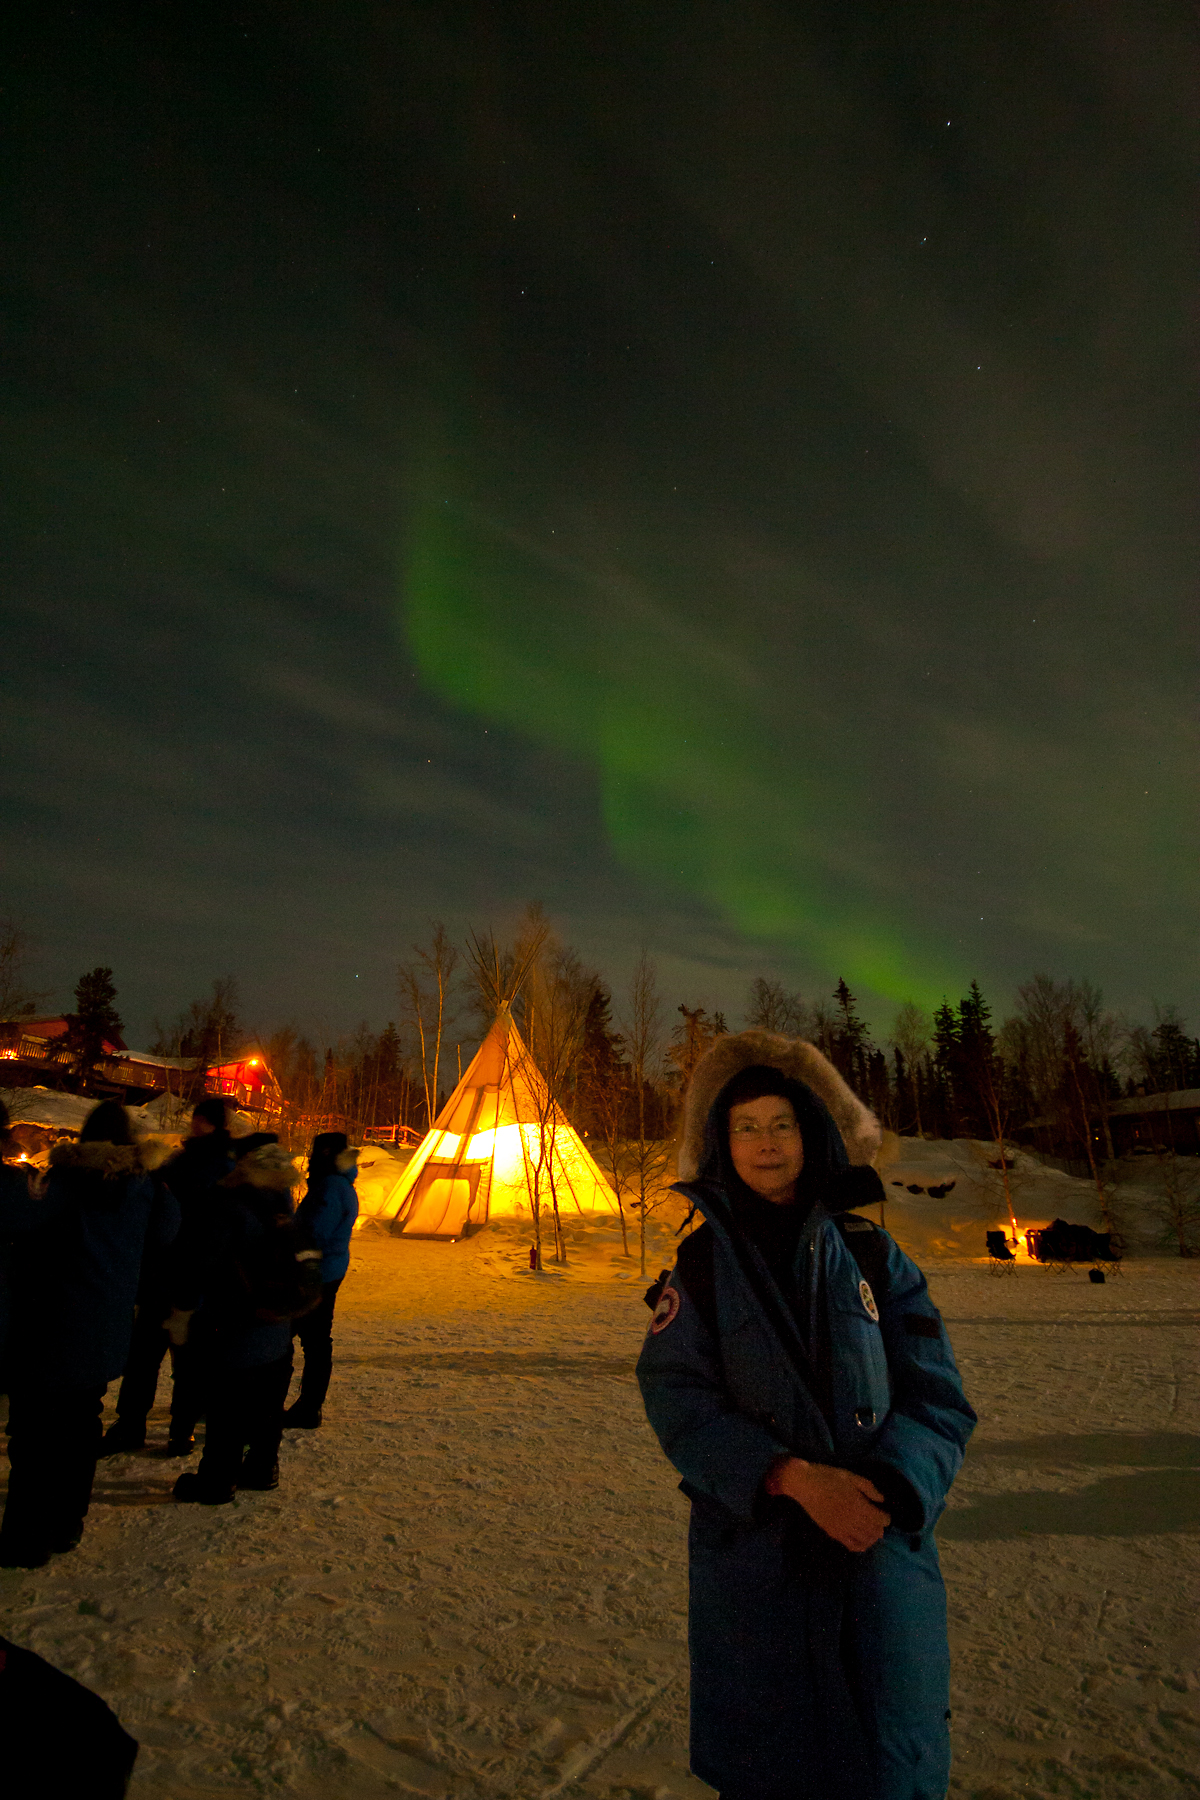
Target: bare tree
<point>642,1030</point>
<point>498,976</point>
<point>771,1007</point>
<point>205,1034</point>
<point>611,1107</point>
<point>557,993</point>
<point>1099,1032</point>
<point>426,996</point>
<point>1177,1208</point>
<point>1035,1039</point>
<point>17,999</point>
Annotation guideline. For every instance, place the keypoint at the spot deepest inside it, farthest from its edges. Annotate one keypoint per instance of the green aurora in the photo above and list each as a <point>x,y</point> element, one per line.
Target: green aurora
<point>698,784</point>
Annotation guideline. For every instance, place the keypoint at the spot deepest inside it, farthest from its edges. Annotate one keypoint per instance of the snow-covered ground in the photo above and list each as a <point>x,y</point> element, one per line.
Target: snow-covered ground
<point>472,1581</point>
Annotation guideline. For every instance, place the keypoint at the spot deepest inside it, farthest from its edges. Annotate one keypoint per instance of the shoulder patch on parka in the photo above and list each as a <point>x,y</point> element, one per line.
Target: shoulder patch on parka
<point>666,1310</point>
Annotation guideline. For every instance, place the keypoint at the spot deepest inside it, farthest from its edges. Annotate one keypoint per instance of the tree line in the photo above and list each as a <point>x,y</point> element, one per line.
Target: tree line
<point>618,1063</point>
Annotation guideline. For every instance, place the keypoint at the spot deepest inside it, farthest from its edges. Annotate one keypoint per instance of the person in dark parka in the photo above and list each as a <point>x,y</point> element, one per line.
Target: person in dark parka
<point>328,1211</point>
<point>246,1352</point>
<point>57,1737</point>
<point>21,1210</point>
<point>73,1288</point>
<point>190,1176</point>
<point>799,1378</point>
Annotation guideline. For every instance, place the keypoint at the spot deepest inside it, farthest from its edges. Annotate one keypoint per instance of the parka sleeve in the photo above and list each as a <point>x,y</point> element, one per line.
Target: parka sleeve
<point>718,1450</point>
<point>920,1449</point>
<point>21,1207</point>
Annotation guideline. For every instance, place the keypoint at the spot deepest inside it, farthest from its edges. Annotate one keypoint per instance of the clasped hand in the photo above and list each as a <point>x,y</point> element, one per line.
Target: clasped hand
<point>847,1507</point>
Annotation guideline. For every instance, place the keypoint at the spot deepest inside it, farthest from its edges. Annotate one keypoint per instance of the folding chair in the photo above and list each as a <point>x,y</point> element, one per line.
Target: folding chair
<point>1001,1260</point>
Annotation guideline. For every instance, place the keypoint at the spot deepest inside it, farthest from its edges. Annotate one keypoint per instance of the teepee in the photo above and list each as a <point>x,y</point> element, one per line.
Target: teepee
<point>499,1139</point>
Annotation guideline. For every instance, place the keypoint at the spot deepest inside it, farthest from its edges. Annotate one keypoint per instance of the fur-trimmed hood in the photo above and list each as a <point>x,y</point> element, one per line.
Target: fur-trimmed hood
<point>347,1162</point>
<point>112,1161</point>
<point>156,1150</point>
<point>269,1166</point>
<point>794,1057</point>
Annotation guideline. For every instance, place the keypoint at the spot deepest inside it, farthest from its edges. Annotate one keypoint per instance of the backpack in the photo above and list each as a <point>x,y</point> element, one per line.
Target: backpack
<point>866,1242</point>
<point>281,1272</point>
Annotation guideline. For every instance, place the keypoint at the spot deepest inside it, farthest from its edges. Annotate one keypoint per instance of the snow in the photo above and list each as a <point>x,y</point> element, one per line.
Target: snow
<point>46,1106</point>
<point>472,1580</point>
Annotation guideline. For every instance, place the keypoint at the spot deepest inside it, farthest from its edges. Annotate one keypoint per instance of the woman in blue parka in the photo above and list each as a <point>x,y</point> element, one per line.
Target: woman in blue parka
<point>327,1212</point>
<point>799,1378</point>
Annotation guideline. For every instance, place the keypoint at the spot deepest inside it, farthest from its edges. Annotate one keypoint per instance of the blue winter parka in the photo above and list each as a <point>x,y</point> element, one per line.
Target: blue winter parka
<point>329,1210</point>
<point>817,1673</point>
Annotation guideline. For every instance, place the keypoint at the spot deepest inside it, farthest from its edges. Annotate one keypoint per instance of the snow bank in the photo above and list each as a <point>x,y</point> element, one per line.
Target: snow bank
<point>46,1106</point>
<point>954,1224</point>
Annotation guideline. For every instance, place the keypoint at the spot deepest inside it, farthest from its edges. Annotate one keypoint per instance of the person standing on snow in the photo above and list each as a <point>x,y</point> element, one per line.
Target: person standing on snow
<point>20,1211</point>
<point>328,1211</point>
<point>191,1175</point>
<point>74,1279</point>
<point>244,1276</point>
<point>799,1378</point>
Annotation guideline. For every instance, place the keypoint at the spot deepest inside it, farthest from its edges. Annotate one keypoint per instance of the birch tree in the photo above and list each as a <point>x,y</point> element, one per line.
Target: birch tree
<point>426,985</point>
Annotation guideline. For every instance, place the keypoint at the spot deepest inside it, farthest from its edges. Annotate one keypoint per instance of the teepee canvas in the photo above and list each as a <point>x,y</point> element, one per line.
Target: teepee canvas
<point>497,1135</point>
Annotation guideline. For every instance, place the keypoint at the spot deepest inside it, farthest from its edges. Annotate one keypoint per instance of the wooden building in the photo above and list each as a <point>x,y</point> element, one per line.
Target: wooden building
<point>33,1050</point>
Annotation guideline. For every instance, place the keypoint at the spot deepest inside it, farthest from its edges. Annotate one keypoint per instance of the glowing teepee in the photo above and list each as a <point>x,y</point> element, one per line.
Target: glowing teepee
<point>497,1136</point>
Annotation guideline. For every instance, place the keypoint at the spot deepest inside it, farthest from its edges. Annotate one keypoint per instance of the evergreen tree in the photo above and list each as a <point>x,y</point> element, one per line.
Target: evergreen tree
<point>1175,1059</point>
<point>690,1040</point>
<point>94,1022</point>
<point>946,1074</point>
<point>879,1089</point>
<point>603,1073</point>
<point>850,1041</point>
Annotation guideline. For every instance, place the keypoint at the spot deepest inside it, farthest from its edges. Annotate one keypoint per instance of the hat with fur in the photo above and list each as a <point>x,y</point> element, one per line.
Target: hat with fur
<point>96,1158</point>
<point>794,1058</point>
<point>266,1166</point>
<point>156,1148</point>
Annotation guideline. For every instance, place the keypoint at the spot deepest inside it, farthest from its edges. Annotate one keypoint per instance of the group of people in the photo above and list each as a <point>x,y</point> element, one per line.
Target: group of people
<point>123,1254</point>
<point>796,1372</point>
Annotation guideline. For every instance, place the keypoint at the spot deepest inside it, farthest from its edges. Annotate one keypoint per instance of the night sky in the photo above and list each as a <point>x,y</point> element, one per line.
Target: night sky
<point>725,471</point>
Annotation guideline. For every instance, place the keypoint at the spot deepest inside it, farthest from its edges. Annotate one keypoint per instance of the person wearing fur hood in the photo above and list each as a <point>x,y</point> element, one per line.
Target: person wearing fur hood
<point>189,1177</point>
<point>328,1210</point>
<point>799,1378</point>
<point>246,1354</point>
<point>21,1210</point>
<point>75,1279</point>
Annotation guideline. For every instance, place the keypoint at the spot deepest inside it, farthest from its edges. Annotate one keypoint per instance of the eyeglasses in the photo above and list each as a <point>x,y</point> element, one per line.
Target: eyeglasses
<point>780,1129</point>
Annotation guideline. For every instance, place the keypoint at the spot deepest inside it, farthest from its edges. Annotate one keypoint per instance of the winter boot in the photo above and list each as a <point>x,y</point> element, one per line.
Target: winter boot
<point>123,1436</point>
<point>180,1446</point>
<point>304,1418</point>
<point>264,1478</point>
<point>190,1488</point>
<point>18,1553</point>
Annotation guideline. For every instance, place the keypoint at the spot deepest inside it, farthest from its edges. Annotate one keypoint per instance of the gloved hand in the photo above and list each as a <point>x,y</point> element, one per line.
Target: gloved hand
<point>177,1325</point>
